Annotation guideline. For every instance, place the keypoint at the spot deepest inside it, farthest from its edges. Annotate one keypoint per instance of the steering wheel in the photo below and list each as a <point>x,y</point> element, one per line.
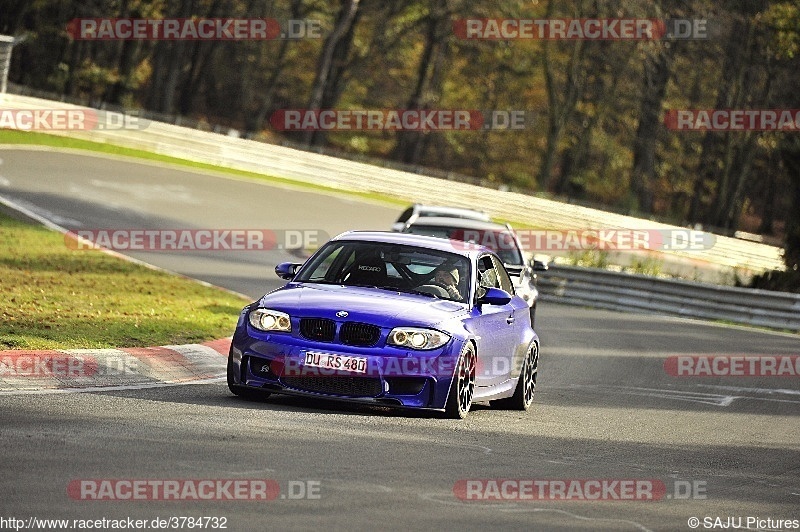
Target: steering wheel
<point>434,288</point>
<point>434,282</point>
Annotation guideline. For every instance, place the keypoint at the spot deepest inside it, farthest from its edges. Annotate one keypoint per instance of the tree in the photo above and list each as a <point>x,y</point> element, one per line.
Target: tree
<point>790,155</point>
<point>562,98</point>
<point>427,89</point>
<point>335,49</point>
<point>657,66</point>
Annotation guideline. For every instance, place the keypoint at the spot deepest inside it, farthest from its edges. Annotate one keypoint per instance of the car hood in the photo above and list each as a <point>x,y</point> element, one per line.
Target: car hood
<point>372,305</point>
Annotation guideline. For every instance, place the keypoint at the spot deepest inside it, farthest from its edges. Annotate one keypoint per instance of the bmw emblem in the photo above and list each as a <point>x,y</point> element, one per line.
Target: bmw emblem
<point>341,314</point>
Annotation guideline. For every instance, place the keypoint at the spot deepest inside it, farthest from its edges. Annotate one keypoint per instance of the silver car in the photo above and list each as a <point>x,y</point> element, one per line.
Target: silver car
<point>497,237</point>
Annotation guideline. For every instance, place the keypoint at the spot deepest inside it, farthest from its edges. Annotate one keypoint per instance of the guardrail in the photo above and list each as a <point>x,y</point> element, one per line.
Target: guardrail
<point>593,287</point>
<point>279,161</point>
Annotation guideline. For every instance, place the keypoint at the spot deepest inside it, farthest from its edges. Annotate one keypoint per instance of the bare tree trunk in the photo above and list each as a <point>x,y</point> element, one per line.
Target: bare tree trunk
<point>714,171</point>
<point>601,93</point>
<point>202,59</point>
<point>410,144</point>
<point>12,16</point>
<point>730,204</point>
<point>272,86</point>
<point>168,66</point>
<point>559,111</point>
<point>767,225</point>
<point>256,123</point>
<point>337,78</point>
<point>657,69</point>
<point>127,60</point>
<point>742,165</point>
<point>790,155</point>
<point>344,23</point>
<point>76,52</point>
<point>725,190</point>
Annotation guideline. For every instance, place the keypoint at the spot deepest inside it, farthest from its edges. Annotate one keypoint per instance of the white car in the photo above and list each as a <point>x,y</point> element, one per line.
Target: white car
<point>499,238</point>
<point>418,210</point>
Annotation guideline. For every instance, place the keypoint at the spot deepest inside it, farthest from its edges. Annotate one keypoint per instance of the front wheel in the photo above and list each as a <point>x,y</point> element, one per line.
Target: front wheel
<point>459,400</point>
<point>242,391</point>
<point>526,384</point>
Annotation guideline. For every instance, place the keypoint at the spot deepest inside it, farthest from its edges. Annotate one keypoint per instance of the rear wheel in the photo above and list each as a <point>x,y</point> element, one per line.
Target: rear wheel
<point>244,392</point>
<point>526,385</point>
<point>459,399</point>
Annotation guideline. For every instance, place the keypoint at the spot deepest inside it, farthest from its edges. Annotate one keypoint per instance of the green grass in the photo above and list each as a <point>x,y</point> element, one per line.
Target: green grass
<point>9,136</point>
<point>589,258</point>
<point>646,266</point>
<point>54,297</point>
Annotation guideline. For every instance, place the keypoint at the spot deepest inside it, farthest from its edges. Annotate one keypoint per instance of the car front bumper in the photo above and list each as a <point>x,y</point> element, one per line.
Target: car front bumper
<point>393,377</point>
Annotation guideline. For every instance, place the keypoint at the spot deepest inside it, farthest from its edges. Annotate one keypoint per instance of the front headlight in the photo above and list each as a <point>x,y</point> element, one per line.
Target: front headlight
<point>265,319</point>
<point>417,338</point>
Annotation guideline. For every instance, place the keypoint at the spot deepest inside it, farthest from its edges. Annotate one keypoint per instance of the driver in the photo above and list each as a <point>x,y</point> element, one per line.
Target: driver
<point>448,279</point>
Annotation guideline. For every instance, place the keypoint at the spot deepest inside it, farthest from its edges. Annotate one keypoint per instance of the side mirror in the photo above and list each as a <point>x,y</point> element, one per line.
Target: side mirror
<point>494,296</point>
<point>287,270</point>
<point>539,266</point>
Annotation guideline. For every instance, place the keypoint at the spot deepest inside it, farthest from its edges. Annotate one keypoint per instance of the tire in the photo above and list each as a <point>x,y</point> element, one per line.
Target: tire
<point>244,392</point>
<point>526,384</point>
<point>459,400</point>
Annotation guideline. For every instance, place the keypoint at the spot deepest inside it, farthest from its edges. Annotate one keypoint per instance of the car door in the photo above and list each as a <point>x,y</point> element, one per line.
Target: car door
<point>522,320</point>
<point>495,326</point>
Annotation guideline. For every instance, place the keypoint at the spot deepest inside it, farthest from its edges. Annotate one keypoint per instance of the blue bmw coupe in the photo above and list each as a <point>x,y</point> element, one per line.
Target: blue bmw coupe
<point>390,319</point>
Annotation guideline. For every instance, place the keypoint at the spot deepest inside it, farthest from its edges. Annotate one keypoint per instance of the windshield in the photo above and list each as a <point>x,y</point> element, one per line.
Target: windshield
<point>501,242</point>
<point>390,267</point>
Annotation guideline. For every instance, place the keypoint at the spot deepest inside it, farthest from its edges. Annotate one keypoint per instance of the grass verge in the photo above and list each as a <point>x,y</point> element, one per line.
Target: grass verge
<point>52,297</point>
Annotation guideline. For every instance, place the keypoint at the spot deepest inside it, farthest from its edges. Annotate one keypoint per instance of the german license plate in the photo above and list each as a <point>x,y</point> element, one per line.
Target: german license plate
<point>336,362</point>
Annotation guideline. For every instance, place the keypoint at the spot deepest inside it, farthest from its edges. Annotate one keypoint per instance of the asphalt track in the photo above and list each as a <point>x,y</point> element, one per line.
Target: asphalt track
<point>605,410</point>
